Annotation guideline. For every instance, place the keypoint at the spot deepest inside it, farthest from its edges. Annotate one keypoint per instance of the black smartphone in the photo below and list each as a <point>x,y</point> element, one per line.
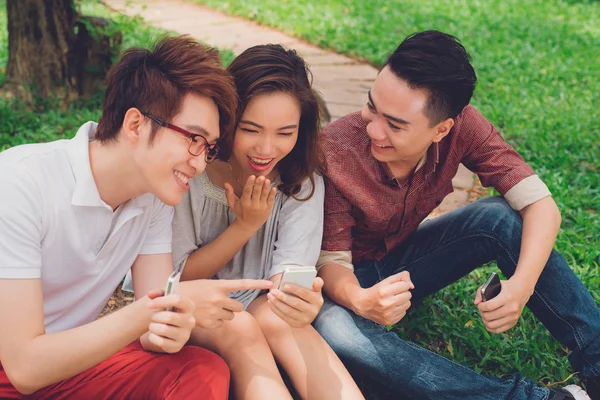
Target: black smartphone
<point>491,287</point>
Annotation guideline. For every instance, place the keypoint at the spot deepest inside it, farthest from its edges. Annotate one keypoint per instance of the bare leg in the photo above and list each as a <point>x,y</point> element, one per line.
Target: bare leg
<point>313,367</point>
<point>241,343</point>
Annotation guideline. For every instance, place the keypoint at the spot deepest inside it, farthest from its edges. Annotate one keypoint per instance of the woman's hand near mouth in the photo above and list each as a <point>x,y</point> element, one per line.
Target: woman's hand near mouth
<point>254,207</point>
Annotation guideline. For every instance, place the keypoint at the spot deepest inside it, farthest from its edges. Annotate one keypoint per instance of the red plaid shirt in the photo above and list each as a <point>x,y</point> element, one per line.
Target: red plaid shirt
<point>365,211</point>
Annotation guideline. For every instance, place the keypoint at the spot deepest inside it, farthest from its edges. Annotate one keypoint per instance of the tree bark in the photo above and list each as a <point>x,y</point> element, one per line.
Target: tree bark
<point>40,33</point>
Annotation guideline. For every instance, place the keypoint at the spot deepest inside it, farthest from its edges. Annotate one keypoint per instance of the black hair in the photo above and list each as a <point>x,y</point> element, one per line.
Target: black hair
<point>438,63</point>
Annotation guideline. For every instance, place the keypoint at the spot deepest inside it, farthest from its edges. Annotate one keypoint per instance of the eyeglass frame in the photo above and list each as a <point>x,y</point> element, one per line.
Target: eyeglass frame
<point>192,136</point>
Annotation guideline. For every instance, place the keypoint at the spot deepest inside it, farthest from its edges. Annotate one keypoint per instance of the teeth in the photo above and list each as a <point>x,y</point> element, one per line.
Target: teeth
<point>383,147</point>
<point>184,179</point>
<point>260,162</point>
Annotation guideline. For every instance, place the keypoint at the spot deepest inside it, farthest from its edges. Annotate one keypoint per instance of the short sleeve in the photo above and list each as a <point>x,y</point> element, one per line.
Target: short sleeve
<point>160,234</point>
<point>21,225</point>
<point>184,232</point>
<point>300,229</point>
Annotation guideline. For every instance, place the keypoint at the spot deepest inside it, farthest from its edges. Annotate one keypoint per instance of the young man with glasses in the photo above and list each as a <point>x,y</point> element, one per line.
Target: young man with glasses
<point>387,168</point>
<point>76,215</point>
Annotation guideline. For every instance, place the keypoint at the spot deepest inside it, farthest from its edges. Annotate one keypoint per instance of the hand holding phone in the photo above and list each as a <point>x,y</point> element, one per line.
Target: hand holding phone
<point>491,288</point>
<point>300,276</point>
<point>501,303</point>
<point>300,302</point>
<point>166,331</point>
<point>172,283</point>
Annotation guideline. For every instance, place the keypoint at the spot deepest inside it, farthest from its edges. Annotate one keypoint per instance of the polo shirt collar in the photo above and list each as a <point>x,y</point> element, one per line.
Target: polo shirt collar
<point>86,192</point>
<point>78,150</point>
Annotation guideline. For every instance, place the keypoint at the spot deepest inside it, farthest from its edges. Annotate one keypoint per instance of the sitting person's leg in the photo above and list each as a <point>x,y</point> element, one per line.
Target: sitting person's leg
<point>408,370</point>
<point>445,249</point>
<point>133,373</point>
<point>311,364</point>
<point>241,343</point>
<point>440,252</point>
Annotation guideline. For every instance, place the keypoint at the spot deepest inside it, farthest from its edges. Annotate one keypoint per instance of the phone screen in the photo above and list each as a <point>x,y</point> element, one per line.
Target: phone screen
<point>491,288</point>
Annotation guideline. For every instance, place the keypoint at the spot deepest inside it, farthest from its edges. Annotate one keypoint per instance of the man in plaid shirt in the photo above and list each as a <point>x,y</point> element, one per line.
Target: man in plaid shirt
<point>387,168</point>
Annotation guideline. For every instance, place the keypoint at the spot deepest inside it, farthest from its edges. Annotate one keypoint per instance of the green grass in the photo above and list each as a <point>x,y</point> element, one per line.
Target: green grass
<point>48,122</point>
<point>539,82</point>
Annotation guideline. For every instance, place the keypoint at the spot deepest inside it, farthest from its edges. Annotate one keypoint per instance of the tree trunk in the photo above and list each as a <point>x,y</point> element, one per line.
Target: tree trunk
<point>40,33</point>
<point>55,53</point>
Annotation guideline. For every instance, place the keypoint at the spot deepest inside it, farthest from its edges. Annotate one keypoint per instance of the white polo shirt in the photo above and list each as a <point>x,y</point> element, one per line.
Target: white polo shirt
<point>55,226</point>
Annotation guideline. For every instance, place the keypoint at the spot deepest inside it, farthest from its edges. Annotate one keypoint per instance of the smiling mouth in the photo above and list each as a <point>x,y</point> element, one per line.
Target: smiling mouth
<point>260,161</point>
<point>181,177</point>
<point>382,146</point>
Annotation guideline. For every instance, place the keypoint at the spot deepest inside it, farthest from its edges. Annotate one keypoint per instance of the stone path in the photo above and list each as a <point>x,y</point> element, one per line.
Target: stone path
<point>343,81</point>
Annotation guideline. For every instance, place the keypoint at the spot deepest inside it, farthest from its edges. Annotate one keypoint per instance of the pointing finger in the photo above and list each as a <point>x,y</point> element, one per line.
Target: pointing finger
<point>245,284</point>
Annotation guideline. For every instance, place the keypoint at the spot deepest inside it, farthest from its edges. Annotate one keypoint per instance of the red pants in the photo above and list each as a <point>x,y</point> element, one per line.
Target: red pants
<point>132,373</point>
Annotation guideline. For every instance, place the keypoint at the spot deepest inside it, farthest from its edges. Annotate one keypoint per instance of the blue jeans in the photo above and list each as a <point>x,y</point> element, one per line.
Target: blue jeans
<point>440,252</point>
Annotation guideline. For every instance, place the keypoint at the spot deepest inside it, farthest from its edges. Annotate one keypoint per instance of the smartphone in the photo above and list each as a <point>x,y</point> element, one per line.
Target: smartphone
<point>172,283</point>
<point>297,275</point>
<point>491,287</point>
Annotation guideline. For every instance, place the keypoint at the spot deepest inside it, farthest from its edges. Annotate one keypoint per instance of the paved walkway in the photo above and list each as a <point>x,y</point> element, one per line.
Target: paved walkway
<point>343,81</point>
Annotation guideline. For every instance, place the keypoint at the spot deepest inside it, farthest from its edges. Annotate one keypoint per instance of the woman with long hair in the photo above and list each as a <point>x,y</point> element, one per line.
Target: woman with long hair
<point>255,211</point>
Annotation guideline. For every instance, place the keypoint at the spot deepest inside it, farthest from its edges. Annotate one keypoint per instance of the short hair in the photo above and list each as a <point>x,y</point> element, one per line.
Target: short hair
<point>438,63</point>
<point>268,69</point>
<point>156,81</point>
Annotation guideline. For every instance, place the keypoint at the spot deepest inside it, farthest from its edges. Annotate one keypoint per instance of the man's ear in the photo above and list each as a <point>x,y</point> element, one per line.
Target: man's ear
<point>442,129</point>
<point>132,123</point>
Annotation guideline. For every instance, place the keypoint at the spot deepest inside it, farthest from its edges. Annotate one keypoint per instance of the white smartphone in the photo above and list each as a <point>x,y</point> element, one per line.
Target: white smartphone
<point>172,283</point>
<point>298,275</point>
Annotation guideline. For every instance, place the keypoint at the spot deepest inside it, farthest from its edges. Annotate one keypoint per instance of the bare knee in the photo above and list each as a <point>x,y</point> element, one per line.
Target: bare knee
<point>242,331</point>
<point>271,325</point>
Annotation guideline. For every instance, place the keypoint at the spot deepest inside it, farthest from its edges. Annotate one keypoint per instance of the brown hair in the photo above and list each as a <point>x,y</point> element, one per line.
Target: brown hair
<point>271,68</point>
<point>156,81</point>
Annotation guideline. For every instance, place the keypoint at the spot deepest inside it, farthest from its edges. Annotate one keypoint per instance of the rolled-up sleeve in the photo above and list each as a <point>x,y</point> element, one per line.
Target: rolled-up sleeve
<point>526,192</point>
<point>343,258</point>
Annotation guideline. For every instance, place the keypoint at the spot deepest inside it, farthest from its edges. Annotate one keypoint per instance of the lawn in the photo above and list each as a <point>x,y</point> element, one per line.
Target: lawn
<point>538,65</point>
<point>539,71</point>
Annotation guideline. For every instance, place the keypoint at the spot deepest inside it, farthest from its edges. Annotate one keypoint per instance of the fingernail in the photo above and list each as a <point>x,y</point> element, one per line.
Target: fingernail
<point>269,296</point>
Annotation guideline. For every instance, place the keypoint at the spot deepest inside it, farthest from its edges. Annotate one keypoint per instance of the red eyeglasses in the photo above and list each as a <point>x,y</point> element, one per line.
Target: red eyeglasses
<point>198,143</point>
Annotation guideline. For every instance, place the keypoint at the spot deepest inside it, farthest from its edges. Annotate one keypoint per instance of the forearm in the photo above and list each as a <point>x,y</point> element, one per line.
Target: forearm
<point>50,358</point>
<point>541,223</point>
<point>341,284</point>
<point>210,258</point>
